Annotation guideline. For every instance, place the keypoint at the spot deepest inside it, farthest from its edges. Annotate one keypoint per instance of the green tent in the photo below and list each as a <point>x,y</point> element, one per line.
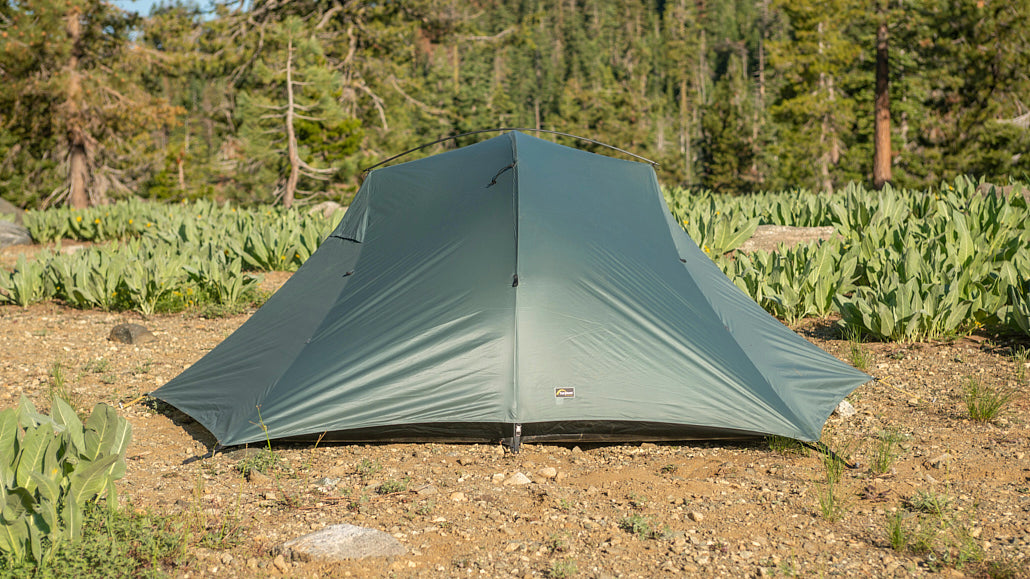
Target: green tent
<point>518,289</point>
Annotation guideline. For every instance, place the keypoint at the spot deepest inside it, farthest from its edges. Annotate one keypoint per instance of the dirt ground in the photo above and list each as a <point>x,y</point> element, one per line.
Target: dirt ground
<point>959,490</point>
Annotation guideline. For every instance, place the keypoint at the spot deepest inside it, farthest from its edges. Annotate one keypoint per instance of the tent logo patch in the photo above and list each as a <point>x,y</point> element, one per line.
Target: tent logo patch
<point>565,392</point>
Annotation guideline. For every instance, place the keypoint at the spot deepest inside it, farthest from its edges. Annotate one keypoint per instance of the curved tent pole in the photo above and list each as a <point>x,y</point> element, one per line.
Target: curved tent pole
<point>381,163</point>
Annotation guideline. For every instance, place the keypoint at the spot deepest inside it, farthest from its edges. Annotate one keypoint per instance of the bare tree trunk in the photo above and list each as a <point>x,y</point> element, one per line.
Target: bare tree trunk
<point>78,158</point>
<point>882,107</point>
<point>757,117</point>
<point>181,161</point>
<point>291,135</point>
<point>827,135</point>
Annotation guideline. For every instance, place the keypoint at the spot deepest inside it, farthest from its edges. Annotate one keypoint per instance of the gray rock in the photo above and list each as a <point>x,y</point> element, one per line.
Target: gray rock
<point>327,208</point>
<point>340,542</point>
<point>131,334</point>
<point>769,237</point>
<point>517,479</point>
<point>844,409</point>
<point>548,472</point>
<point>8,208</point>
<point>13,234</point>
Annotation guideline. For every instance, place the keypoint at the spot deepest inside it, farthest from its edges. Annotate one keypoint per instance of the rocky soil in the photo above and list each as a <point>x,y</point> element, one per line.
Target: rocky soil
<point>959,489</point>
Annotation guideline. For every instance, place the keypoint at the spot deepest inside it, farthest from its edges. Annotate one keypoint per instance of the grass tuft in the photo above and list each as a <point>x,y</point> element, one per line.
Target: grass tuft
<point>786,446</point>
<point>984,403</point>
<point>886,450</point>
<point>856,352</point>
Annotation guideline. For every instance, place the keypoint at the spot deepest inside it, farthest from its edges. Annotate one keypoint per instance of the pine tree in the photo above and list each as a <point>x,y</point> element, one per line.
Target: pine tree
<point>72,96</point>
<point>292,125</point>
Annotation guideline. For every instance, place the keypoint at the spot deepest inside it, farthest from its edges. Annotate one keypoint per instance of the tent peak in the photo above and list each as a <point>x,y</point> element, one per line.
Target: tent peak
<point>508,129</point>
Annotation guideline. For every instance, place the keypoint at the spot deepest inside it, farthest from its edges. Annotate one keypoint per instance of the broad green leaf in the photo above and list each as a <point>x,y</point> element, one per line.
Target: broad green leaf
<point>89,479</point>
<point>64,415</point>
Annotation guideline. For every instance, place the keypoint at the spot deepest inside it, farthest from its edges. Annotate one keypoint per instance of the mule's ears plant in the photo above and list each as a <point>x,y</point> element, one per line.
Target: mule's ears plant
<point>51,467</point>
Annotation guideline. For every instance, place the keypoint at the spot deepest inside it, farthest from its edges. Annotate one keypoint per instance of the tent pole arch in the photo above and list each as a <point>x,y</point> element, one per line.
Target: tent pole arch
<point>507,129</point>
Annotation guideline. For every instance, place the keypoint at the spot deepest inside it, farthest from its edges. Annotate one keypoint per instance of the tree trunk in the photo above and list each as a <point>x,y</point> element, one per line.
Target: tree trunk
<point>882,119</point>
<point>291,135</point>
<point>824,127</point>
<point>78,158</point>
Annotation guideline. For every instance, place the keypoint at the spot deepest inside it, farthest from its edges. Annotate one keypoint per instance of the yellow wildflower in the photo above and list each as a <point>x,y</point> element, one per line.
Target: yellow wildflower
<point>78,219</point>
<point>130,222</point>
<point>96,221</point>
<point>707,250</point>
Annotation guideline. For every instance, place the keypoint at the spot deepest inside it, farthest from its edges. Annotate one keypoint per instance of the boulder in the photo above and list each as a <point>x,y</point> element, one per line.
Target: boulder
<point>8,208</point>
<point>13,234</point>
<point>769,237</point>
<point>131,334</point>
<point>1003,190</point>
<point>341,542</point>
<point>326,208</point>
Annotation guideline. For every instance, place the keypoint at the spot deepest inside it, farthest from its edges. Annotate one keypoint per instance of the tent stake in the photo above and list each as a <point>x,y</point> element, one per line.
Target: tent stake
<point>820,447</point>
<point>516,440</point>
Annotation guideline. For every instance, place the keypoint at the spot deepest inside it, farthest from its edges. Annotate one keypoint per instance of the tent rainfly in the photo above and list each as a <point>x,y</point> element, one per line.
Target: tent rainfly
<point>514,290</point>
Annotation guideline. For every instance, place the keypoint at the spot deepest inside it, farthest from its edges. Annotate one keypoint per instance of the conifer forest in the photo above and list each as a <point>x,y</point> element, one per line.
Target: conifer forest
<point>262,101</point>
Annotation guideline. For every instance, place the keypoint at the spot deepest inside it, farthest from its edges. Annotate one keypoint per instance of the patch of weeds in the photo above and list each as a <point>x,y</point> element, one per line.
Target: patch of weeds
<point>786,446</point>
<point>558,543</point>
<point>425,508</point>
<point>669,469</point>
<point>563,568</point>
<point>108,378</point>
<point>357,503</point>
<point>984,402</point>
<point>1004,569</point>
<point>227,532</point>
<point>262,462</point>
<point>924,539</point>
<point>367,469</point>
<point>834,463</point>
<point>898,533</point>
<point>886,450</point>
<point>393,486</point>
<point>637,501</point>
<point>143,368</point>
<point>856,352</point>
<point>57,385</point>
<point>98,366</point>
<point>564,505</point>
<point>641,526</point>
<point>214,311</point>
<point>831,503</point>
<point>1020,360</point>
<point>966,548</point>
<point>929,502</point>
<point>121,543</point>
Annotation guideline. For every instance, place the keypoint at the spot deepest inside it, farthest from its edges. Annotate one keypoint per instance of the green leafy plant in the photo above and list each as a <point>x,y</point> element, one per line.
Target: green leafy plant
<point>929,502</point>
<point>641,526</point>
<point>367,469</point>
<point>558,543</point>
<point>563,569</point>
<point>393,486</point>
<point>263,461</point>
<point>52,467</point>
<point>24,286</point>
